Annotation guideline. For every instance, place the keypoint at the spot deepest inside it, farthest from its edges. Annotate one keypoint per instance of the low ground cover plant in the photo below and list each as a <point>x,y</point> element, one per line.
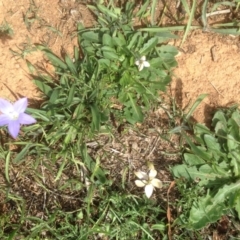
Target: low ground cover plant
<point>211,171</point>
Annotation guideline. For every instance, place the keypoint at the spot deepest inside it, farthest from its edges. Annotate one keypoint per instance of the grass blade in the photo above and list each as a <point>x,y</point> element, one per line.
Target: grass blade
<point>194,106</point>
<point>189,22</point>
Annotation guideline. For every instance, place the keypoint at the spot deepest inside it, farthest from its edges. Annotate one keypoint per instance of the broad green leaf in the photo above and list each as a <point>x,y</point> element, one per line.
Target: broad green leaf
<point>193,160</point>
<point>219,117</point>
<point>197,150</point>
<point>148,46</point>
<point>226,191</point>
<point>70,65</point>
<point>55,60</point>
<point>205,211</point>
<point>204,173</point>
<point>105,63</point>
<point>134,39</point>
<point>121,38</point>
<point>232,143</point>
<point>211,143</point>
<point>90,36</point>
<point>110,55</point>
<point>107,40</point>
<point>43,87</point>
<point>54,95</point>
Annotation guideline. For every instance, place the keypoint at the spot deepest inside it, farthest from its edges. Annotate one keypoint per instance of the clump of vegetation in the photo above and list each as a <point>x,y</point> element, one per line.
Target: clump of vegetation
<point>6,30</point>
<point>211,170</point>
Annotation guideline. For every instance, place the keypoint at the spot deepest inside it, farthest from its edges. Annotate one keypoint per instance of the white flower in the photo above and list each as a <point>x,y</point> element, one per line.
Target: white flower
<point>148,181</point>
<point>141,63</point>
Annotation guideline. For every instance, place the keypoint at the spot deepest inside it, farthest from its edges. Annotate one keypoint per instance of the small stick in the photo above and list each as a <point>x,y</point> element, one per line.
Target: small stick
<point>218,12</point>
<point>213,53</point>
<point>216,89</point>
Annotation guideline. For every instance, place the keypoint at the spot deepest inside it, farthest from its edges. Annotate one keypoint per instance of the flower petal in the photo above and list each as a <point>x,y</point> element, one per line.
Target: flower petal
<point>140,67</point>
<point>5,106</point>
<point>13,128</point>
<point>20,105</point>
<point>137,62</point>
<point>4,119</point>
<point>143,58</point>
<point>26,119</point>
<point>141,175</point>
<point>146,64</point>
<point>148,190</point>
<point>157,183</point>
<point>152,173</point>
<point>139,183</point>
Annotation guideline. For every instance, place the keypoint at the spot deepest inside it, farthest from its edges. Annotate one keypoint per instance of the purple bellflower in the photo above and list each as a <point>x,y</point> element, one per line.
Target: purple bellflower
<point>13,115</point>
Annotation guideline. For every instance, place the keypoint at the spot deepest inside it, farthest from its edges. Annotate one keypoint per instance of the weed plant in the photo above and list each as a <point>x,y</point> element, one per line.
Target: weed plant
<point>209,177</point>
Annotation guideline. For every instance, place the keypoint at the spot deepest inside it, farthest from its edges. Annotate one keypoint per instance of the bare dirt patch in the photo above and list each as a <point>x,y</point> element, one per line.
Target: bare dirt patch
<point>208,63</point>
<point>35,22</point>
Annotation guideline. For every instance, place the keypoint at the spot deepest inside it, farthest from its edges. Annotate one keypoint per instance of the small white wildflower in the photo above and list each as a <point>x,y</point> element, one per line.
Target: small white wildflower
<point>148,181</point>
<point>141,63</point>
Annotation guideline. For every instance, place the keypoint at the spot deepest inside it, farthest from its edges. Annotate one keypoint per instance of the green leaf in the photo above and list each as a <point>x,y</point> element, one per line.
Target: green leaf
<point>54,95</point>
<point>188,27</point>
<point>22,153</point>
<point>226,191</point>
<point>90,36</point>
<point>7,166</point>
<point>237,205</point>
<point>107,40</point>
<point>71,95</point>
<point>134,40</point>
<point>136,110</point>
<point>55,60</point>
<point>205,173</point>
<point>197,150</point>
<point>107,11</point>
<point>211,143</point>
<point>194,106</point>
<point>76,53</point>
<point>43,87</point>
<point>71,65</point>
<point>193,160</point>
<point>219,117</point>
<point>91,165</point>
<point>205,211</point>
<point>232,143</point>
<point>143,9</point>
<point>147,47</point>
<point>96,118</point>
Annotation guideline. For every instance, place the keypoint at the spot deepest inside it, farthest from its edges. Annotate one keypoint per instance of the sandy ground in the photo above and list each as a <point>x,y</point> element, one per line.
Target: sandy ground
<point>207,64</point>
